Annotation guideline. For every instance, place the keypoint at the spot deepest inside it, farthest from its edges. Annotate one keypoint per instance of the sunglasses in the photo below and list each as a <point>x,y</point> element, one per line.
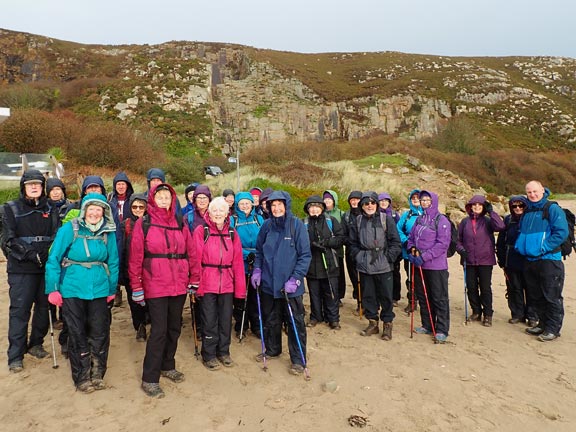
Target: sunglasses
<point>517,206</point>
<point>138,207</point>
<point>370,202</point>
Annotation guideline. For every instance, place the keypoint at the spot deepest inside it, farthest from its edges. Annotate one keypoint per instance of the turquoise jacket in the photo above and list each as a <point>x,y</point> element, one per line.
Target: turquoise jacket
<point>540,239</point>
<point>407,221</point>
<point>84,265</point>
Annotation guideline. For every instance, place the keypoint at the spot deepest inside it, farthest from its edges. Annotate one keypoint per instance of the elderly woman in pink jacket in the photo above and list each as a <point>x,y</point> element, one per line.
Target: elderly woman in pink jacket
<point>218,273</point>
<point>159,266</point>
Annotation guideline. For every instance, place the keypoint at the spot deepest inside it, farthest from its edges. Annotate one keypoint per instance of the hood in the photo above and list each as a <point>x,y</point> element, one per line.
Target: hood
<point>282,196</point>
<point>314,199</point>
<point>99,200</point>
<point>241,196</point>
<point>155,173</point>
<point>202,189</point>
<point>431,211</point>
<point>334,196</point>
<point>122,176</point>
<point>90,180</point>
<point>413,208</point>
<point>153,208</point>
<point>32,175</point>
<point>266,193</point>
<point>53,182</point>
<point>354,194</point>
<point>190,188</point>
<point>515,198</point>
<point>138,196</point>
<point>366,196</point>
<point>476,199</point>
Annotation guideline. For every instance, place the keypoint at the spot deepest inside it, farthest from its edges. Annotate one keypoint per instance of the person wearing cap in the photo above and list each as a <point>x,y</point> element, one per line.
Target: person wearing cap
<point>138,205</point>
<point>375,245</point>
<point>81,277</point>
<point>159,267</point>
<point>262,208</point>
<point>200,200</point>
<point>230,197</point>
<point>348,218</point>
<point>326,236</point>
<point>404,226</point>
<point>256,192</point>
<point>29,226</point>
<point>331,201</point>
<point>428,244</point>
<point>282,260</point>
<point>189,195</point>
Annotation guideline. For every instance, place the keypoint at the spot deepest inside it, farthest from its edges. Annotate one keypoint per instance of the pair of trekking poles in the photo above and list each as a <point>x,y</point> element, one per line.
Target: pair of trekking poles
<point>413,296</point>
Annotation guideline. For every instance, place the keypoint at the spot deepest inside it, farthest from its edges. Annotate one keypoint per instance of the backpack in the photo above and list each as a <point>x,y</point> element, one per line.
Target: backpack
<point>234,221</point>
<point>453,233</point>
<point>146,224</point>
<point>570,242</point>
<point>382,220</point>
<point>207,233</point>
<point>329,222</point>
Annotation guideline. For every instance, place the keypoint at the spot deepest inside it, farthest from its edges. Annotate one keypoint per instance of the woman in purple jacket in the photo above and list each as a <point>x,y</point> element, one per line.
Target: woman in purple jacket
<point>476,246</point>
<point>428,244</point>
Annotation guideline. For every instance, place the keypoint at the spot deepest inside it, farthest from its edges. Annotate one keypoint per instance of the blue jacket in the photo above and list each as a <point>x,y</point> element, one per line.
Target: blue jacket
<point>407,220</point>
<point>93,270</point>
<point>282,249</point>
<point>247,226</point>
<point>540,239</point>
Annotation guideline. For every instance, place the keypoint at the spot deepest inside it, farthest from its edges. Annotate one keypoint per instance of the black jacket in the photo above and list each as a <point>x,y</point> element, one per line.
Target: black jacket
<point>324,241</point>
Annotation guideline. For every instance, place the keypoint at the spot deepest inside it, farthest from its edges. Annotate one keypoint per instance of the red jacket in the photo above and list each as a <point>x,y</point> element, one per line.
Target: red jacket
<point>160,276</point>
<point>217,265</point>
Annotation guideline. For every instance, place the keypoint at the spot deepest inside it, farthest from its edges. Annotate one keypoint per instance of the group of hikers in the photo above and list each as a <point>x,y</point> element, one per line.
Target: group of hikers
<point>242,259</point>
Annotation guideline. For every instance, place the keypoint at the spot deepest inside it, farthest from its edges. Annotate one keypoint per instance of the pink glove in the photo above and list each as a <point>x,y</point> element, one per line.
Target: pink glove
<point>55,298</point>
<point>291,285</point>
<point>110,298</point>
<point>256,277</point>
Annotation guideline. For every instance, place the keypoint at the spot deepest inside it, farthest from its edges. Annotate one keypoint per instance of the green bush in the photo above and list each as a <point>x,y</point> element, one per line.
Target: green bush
<point>184,170</point>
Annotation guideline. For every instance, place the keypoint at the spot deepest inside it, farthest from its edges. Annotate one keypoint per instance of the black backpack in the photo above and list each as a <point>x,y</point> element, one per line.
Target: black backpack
<point>453,233</point>
<point>569,243</point>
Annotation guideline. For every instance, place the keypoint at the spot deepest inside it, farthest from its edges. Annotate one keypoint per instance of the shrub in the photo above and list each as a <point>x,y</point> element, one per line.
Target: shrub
<point>184,170</point>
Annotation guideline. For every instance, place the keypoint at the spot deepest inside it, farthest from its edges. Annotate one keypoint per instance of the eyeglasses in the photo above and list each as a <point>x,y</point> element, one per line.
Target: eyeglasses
<point>517,206</point>
<point>425,199</point>
<point>370,203</point>
<point>138,207</point>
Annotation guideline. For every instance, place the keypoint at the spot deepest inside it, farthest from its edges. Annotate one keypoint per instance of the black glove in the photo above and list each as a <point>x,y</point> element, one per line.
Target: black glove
<point>488,207</point>
<point>251,258</point>
<point>319,246</point>
<point>463,253</point>
<point>414,251</point>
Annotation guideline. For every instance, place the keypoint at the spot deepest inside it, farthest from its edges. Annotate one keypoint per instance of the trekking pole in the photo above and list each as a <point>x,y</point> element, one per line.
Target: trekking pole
<point>306,373</point>
<point>328,276</point>
<point>192,304</point>
<point>359,296</point>
<point>465,295</point>
<point>54,364</point>
<point>265,367</point>
<point>427,303</point>
<point>411,273</point>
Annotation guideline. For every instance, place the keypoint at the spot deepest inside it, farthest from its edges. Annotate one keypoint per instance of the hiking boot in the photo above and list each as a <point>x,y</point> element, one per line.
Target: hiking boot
<point>141,333</point>
<point>85,387</point>
<point>312,323</point>
<point>173,375</point>
<point>516,320</point>
<point>296,369</point>
<point>422,330</point>
<point>387,331</point>
<point>535,331</point>
<point>547,337</point>
<point>408,309</point>
<point>371,329</point>
<point>153,390</point>
<point>38,351</point>
<point>16,366</point>
<point>118,298</point>
<point>487,321</point>
<point>212,364</point>
<point>260,357</point>
<point>335,325</point>
<point>440,338</point>
<point>98,384</point>
<point>476,317</point>
<point>226,360</point>
<point>532,323</point>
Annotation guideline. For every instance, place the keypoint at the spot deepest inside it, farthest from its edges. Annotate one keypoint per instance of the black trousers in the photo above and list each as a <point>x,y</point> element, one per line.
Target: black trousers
<point>166,325</point>
<point>436,283</point>
<point>518,303</point>
<point>352,275</point>
<point>341,281</point>
<point>479,289</point>
<point>251,305</point>
<point>216,325</point>
<point>323,299</point>
<point>377,296</point>
<point>397,280</point>
<point>274,313</point>
<point>26,290</point>
<point>408,270</point>
<point>545,282</point>
<point>88,324</point>
<point>138,312</point>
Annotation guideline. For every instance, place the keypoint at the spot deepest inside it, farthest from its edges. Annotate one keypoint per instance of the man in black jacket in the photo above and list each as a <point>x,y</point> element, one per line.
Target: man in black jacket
<point>29,227</point>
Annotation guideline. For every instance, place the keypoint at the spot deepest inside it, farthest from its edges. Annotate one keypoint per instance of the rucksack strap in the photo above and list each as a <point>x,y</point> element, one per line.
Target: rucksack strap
<point>168,255</point>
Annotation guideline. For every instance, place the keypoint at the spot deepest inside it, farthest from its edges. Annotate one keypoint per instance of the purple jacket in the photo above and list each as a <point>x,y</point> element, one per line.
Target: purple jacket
<point>476,234</point>
<point>432,239</point>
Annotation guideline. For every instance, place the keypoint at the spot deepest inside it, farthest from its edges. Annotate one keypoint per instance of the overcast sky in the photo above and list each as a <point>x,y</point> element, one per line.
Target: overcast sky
<point>442,27</point>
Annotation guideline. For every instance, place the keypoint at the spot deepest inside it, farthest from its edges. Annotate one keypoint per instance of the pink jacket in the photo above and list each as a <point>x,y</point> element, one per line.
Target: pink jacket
<point>160,276</point>
<point>217,265</point>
